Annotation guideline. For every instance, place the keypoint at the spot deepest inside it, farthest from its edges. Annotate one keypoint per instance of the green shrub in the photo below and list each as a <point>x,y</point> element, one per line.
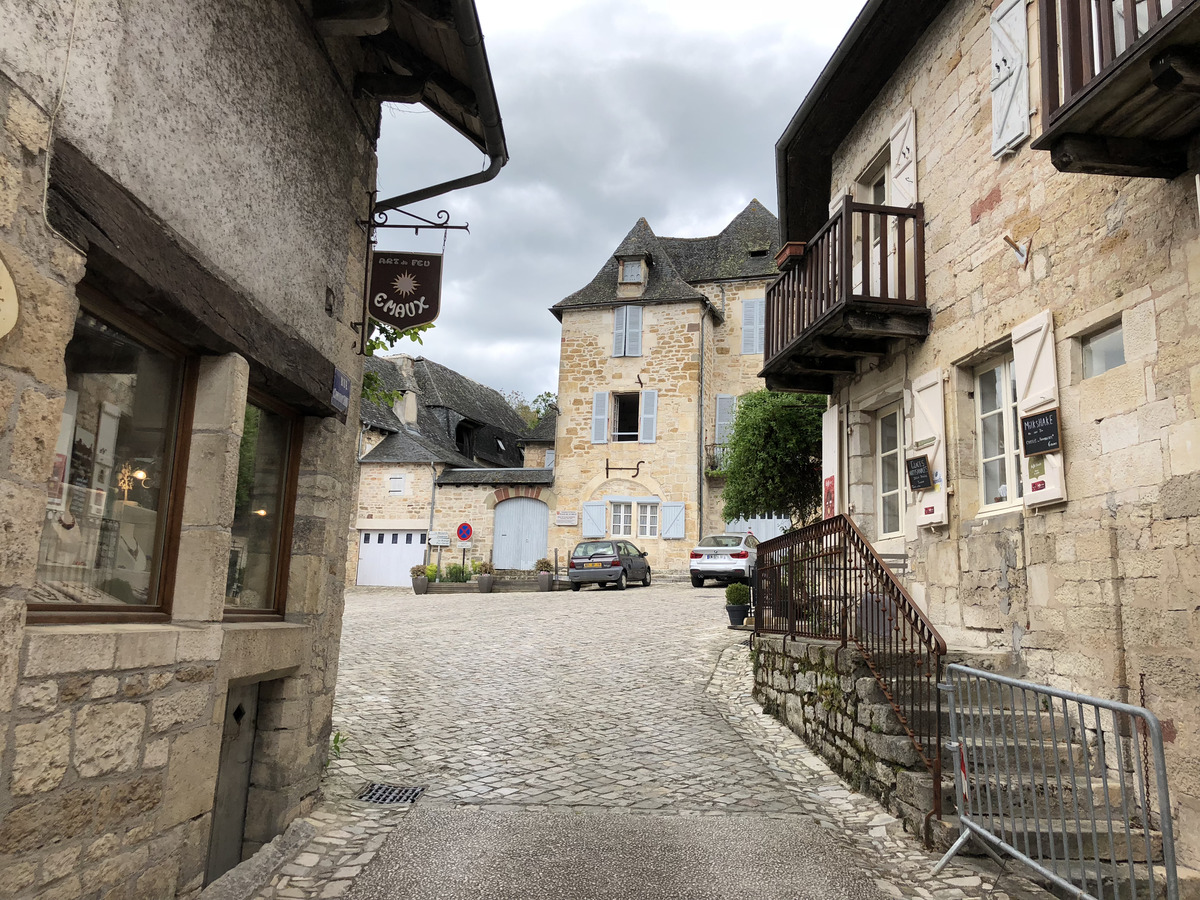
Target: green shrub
<point>457,574</point>
<point>737,594</point>
<point>431,571</point>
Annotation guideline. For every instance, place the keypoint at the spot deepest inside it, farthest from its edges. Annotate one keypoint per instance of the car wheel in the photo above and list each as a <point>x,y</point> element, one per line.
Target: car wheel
<point>697,581</point>
<point>574,585</point>
<point>620,582</point>
<point>646,580</point>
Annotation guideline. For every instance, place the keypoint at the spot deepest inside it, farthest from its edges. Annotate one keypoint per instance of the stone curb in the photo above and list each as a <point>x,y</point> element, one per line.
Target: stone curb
<point>247,878</point>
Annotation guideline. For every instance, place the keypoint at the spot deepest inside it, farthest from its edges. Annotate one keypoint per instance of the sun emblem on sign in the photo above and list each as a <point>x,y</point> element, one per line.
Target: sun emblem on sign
<point>405,283</point>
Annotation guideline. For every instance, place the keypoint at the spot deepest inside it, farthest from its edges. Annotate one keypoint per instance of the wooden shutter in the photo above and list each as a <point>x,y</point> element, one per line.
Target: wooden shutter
<point>619,331</point>
<point>753,320</point>
<point>649,420</point>
<point>831,431</point>
<point>672,521</point>
<point>726,404</point>
<point>595,521</point>
<point>902,172</point>
<point>633,331</point>
<point>1010,77</point>
<point>1036,374</point>
<point>600,417</point>
<point>929,440</point>
<point>835,205</point>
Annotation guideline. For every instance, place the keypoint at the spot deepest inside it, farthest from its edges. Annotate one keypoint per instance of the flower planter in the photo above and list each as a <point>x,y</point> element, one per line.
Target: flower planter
<point>486,583</point>
<point>545,581</point>
<point>738,613</point>
<point>420,584</point>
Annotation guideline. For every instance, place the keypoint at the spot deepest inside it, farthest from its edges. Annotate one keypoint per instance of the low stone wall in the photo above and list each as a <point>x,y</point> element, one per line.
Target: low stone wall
<point>827,695</point>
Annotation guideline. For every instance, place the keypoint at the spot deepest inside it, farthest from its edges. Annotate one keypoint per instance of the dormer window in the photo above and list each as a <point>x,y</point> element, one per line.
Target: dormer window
<point>632,271</point>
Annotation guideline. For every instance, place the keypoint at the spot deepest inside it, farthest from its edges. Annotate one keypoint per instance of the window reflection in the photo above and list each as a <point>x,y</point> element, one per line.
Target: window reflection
<point>102,540</point>
<point>258,510</point>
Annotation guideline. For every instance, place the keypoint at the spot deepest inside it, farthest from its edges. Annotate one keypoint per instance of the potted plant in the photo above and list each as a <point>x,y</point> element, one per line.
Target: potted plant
<point>545,574</point>
<point>487,578</point>
<point>420,581</point>
<point>737,602</point>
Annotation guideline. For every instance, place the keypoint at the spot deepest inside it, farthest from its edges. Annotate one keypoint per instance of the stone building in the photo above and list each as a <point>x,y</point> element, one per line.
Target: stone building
<point>992,263</point>
<point>655,351</point>
<point>448,451</point>
<point>181,260</point>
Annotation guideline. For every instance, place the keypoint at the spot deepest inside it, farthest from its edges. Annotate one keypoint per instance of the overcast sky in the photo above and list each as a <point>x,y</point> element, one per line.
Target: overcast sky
<point>612,110</point>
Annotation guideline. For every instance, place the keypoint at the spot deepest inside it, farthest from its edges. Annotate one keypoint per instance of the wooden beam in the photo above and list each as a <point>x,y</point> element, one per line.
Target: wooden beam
<point>412,61</point>
<point>885,325</point>
<point>139,261</point>
<point>818,365</point>
<point>1176,70</point>
<point>1135,157</point>
<point>800,384</point>
<point>435,12</point>
<point>351,17</point>
<point>855,346</point>
<point>387,87</point>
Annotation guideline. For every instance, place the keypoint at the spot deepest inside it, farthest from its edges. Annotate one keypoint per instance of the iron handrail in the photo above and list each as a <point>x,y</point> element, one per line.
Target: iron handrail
<point>825,581</point>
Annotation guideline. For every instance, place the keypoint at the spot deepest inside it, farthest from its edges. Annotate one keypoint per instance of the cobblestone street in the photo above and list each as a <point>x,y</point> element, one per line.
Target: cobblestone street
<point>588,744</point>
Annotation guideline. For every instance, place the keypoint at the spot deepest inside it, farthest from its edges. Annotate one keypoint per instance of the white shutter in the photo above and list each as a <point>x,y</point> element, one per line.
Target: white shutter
<point>672,521</point>
<point>649,422</point>
<point>595,523</point>
<point>725,410</point>
<point>835,205</point>
<point>1010,76</point>
<point>633,331</point>
<point>1036,374</point>
<point>831,430</point>
<point>600,417</point>
<point>929,439</point>
<point>619,331</point>
<point>752,326</point>
<point>902,173</point>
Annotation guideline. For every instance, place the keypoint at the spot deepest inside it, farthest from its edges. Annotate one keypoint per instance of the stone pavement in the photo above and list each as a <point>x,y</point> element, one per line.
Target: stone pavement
<point>521,712</point>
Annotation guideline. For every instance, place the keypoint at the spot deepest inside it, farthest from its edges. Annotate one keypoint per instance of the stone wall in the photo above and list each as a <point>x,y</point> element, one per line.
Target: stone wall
<point>1101,590</point>
<point>110,732</point>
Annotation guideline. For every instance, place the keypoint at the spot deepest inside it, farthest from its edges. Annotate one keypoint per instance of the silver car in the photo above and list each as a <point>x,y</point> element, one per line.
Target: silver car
<point>724,557</point>
<point>606,562</point>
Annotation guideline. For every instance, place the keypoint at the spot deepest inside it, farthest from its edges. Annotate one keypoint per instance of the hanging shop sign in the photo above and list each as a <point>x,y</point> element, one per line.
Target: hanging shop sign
<point>405,289</point>
<point>8,301</point>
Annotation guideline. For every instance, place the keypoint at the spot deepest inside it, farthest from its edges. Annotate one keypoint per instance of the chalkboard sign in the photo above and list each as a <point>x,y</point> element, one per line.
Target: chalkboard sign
<point>1039,433</point>
<point>918,473</point>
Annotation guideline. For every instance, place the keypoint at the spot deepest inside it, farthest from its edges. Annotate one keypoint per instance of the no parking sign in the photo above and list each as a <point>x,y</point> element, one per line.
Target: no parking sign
<point>464,531</point>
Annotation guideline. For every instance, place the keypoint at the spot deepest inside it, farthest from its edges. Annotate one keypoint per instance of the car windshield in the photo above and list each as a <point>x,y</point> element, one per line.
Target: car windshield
<point>594,548</point>
<point>722,540</point>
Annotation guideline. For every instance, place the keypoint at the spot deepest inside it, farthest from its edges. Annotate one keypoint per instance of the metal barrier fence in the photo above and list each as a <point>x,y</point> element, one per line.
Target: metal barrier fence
<point>1058,781</point>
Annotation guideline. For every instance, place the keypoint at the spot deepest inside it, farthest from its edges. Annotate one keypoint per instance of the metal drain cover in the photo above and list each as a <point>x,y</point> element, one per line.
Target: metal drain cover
<point>388,793</point>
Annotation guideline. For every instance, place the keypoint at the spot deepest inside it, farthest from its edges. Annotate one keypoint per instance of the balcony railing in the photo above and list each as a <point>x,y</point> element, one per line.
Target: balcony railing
<point>1119,83</point>
<point>862,276</point>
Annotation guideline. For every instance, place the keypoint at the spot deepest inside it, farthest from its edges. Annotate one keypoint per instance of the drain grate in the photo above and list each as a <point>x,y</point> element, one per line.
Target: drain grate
<point>388,793</point>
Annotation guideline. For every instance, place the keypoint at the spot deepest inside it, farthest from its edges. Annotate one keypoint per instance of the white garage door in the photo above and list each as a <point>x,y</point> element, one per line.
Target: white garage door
<point>762,527</point>
<point>521,527</point>
<point>384,557</point>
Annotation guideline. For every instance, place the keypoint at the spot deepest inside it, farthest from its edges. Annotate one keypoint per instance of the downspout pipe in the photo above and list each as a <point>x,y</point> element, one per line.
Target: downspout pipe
<point>466,21</point>
<point>432,503</point>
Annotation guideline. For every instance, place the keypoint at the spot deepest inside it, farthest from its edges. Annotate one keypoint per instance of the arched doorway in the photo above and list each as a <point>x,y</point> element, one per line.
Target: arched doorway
<point>521,526</point>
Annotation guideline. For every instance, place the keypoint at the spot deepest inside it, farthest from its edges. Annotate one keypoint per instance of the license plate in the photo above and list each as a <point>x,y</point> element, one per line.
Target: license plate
<point>712,556</point>
<point>593,565</point>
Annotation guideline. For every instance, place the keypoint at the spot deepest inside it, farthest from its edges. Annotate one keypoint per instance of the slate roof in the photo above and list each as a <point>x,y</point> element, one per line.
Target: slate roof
<point>544,431</point>
<point>439,386</point>
<point>497,476</point>
<point>407,446</point>
<point>678,263</point>
<point>393,378</point>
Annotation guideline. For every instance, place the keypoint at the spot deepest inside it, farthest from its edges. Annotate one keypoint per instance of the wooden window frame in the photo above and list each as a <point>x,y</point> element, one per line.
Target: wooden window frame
<point>170,516</point>
<point>896,409</point>
<point>1011,434</point>
<point>287,506</point>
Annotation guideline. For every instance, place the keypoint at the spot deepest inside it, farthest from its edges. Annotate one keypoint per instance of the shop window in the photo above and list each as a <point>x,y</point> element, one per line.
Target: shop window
<point>997,431</point>
<point>113,500</point>
<point>622,519</point>
<point>889,465</point>
<point>261,532</point>
<point>1103,351</point>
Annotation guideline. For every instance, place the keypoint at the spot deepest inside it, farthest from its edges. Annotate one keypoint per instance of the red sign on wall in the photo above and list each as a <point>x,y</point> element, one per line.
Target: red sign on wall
<point>830,496</point>
<point>405,289</point>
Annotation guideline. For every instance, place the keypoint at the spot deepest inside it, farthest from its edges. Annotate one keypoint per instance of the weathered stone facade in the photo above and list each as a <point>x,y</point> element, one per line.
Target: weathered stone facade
<point>192,125</point>
<point>1100,591</point>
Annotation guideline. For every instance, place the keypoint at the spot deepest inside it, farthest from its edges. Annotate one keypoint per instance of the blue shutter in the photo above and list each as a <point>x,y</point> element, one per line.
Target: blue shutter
<point>649,423</point>
<point>595,519</point>
<point>672,521</point>
<point>753,322</point>
<point>619,330</point>
<point>600,417</point>
<point>633,331</point>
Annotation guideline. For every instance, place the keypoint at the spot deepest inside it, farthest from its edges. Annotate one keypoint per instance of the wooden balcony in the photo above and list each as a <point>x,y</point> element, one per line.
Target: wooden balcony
<point>858,285</point>
<point>1120,85</point>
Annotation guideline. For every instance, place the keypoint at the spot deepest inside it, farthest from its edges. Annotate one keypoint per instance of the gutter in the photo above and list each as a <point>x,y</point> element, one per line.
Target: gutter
<point>467,23</point>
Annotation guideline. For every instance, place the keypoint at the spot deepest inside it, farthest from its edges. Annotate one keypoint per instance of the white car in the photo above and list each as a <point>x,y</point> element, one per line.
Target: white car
<point>725,557</point>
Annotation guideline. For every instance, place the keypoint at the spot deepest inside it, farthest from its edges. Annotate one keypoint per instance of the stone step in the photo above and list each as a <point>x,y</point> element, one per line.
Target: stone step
<point>1117,884</point>
<point>1097,844</point>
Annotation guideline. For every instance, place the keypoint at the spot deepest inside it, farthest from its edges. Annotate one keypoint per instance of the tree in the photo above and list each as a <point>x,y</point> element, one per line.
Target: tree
<point>532,411</point>
<point>773,460</point>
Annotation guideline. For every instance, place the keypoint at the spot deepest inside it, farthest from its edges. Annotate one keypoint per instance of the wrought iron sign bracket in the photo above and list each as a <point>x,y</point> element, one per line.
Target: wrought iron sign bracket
<point>377,220</point>
<point>636,470</point>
